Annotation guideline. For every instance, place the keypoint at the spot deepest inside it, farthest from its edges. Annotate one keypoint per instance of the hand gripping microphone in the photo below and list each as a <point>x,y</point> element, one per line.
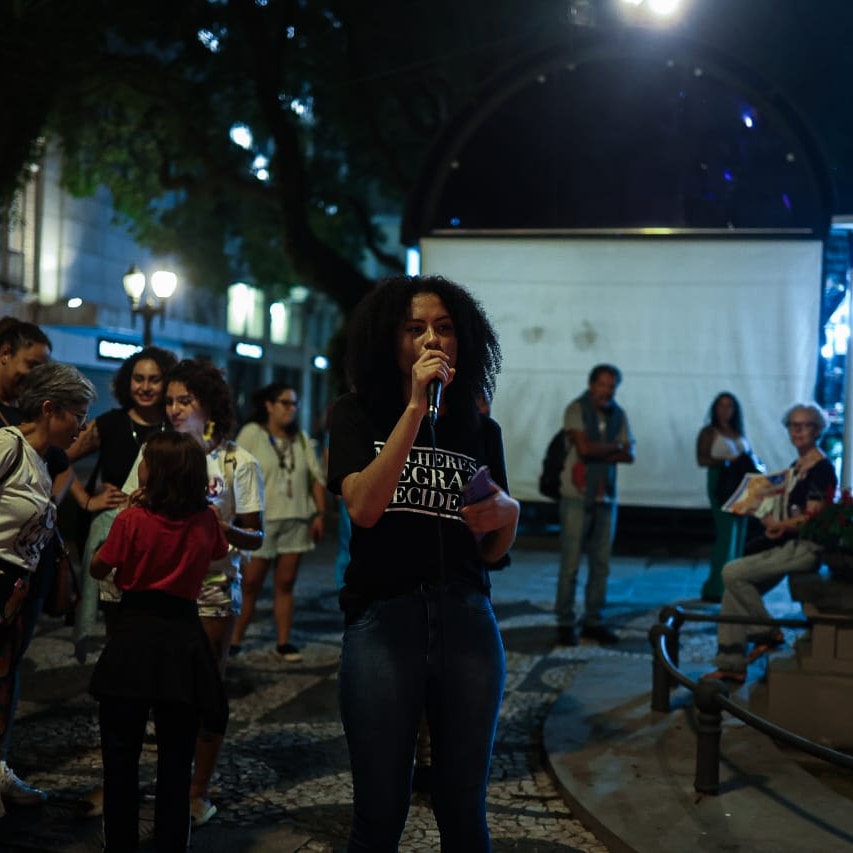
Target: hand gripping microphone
<point>433,400</point>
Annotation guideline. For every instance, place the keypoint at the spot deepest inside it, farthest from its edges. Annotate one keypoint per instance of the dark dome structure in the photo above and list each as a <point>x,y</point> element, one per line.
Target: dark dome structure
<point>626,132</point>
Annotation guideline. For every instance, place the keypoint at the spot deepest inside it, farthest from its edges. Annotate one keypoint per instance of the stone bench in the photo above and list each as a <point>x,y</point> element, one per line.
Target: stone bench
<point>810,691</point>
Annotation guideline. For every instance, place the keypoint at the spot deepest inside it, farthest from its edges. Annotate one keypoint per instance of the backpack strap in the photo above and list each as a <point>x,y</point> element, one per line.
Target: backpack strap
<point>19,455</point>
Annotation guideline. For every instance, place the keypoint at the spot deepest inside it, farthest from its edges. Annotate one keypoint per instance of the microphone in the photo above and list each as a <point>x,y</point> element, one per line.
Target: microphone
<point>433,400</point>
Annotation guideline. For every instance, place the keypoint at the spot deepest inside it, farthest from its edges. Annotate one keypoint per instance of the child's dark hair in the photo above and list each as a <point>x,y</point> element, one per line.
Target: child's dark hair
<point>177,474</point>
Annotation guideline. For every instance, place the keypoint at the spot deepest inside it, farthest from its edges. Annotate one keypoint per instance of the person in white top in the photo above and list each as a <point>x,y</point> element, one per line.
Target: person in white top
<point>54,404</point>
<point>199,402</point>
<point>294,507</point>
<point>721,441</point>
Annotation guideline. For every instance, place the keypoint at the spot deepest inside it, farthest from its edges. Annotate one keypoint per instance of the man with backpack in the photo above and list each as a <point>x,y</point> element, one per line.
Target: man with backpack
<point>598,437</point>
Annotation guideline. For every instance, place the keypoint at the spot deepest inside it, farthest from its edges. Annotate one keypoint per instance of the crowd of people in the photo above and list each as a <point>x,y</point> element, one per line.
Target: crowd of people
<point>184,515</point>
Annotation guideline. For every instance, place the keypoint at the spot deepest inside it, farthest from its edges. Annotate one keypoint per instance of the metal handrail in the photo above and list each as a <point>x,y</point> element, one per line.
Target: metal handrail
<point>712,697</point>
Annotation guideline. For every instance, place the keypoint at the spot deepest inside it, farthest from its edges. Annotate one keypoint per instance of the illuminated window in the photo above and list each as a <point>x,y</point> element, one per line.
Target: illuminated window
<point>279,322</point>
<point>245,311</point>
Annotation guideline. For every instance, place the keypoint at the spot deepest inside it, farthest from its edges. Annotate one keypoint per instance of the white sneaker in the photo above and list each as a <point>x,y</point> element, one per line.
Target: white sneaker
<point>14,790</point>
<point>201,811</point>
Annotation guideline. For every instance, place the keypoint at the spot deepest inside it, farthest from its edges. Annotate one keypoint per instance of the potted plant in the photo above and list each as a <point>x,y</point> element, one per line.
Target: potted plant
<point>832,529</point>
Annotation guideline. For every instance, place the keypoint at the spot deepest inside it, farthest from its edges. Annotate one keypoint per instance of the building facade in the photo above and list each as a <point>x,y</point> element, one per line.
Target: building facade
<point>62,264</point>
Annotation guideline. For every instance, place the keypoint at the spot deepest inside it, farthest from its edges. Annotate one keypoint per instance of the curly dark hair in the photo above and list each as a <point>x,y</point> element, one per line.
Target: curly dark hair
<point>269,394</point>
<point>207,384</point>
<point>177,474</point>
<point>163,358</point>
<point>372,368</point>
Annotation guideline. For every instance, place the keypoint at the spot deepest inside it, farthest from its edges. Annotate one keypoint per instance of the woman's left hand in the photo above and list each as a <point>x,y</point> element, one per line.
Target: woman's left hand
<point>491,513</point>
<point>317,527</point>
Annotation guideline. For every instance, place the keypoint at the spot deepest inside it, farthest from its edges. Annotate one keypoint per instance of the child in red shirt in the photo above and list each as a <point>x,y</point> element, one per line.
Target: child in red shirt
<point>158,656</point>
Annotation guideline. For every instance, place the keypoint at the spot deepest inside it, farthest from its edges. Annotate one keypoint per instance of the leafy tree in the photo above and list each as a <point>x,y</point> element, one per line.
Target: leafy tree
<point>342,98</point>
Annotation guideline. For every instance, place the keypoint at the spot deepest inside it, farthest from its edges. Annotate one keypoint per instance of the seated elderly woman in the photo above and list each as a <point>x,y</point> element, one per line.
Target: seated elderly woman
<point>54,403</point>
<point>778,552</point>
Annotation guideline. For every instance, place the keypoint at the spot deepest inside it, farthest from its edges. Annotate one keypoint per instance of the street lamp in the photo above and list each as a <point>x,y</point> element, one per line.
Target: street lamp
<point>150,301</point>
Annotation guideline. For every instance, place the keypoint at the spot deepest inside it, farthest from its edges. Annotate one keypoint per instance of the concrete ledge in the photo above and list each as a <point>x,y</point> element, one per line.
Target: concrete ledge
<point>627,773</point>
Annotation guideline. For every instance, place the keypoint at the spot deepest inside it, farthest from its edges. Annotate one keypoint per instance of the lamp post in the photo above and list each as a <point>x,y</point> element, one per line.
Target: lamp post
<point>148,298</point>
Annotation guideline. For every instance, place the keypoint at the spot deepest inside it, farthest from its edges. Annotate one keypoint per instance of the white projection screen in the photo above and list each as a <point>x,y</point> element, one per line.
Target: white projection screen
<point>682,318</point>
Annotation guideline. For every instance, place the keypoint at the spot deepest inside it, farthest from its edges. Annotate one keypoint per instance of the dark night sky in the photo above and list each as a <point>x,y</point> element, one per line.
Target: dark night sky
<point>744,126</point>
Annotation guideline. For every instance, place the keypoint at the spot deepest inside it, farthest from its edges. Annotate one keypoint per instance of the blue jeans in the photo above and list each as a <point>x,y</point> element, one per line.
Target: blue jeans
<point>437,650</point>
<point>585,530</point>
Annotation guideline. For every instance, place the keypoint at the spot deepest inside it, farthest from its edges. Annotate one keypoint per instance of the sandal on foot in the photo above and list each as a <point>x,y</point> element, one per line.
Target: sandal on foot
<point>92,804</point>
<point>767,645</point>
<point>736,676</point>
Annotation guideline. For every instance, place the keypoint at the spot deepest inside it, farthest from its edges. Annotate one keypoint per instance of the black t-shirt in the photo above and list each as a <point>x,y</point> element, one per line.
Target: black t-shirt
<point>56,459</point>
<point>121,438</point>
<point>818,484</point>
<point>403,549</point>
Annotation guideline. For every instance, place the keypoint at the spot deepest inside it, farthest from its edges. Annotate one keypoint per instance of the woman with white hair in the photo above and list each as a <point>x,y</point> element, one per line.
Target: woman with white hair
<point>780,552</point>
<point>54,404</point>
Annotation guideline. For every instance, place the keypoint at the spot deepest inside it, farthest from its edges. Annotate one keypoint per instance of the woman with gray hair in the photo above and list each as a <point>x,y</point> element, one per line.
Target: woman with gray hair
<point>54,403</point>
<point>779,551</point>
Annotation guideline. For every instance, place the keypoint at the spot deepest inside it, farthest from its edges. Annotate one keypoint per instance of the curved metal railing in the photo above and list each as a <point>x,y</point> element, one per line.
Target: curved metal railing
<point>712,697</point>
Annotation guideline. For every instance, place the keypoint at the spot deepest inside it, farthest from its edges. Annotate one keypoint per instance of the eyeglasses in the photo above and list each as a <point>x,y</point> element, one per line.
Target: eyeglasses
<point>288,404</point>
<point>796,426</point>
<point>81,417</point>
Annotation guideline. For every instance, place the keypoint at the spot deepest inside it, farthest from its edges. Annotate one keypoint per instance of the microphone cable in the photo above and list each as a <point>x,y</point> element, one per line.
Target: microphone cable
<point>442,571</point>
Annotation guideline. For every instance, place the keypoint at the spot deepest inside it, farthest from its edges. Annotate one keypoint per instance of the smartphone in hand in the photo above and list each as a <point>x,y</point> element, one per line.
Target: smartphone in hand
<point>479,487</point>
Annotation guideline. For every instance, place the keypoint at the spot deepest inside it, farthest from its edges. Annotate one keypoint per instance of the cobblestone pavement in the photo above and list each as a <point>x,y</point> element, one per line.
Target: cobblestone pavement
<point>284,762</point>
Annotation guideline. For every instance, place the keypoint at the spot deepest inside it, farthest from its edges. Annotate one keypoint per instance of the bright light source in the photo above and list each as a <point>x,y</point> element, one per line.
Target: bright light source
<point>321,362</point>
<point>242,136</point>
<point>664,8</point>
<point>413,261</point>
<point>259,167</point>
<point>247,350</point>
<point>299,293</point>
<point>118,350</point>
<point>74,302</point>
<point>134,282</point>
<point>163,283</point>
<point>651,11</point>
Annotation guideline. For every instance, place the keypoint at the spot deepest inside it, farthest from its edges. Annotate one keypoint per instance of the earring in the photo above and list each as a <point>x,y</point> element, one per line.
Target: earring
<point>209,427</point>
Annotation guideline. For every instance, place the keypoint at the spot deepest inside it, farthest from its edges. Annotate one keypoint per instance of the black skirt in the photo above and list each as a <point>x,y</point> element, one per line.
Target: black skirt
<point>158,652</point>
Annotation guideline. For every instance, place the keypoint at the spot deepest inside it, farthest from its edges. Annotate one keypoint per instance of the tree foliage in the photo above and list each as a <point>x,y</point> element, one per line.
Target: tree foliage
<point>342,98</point>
